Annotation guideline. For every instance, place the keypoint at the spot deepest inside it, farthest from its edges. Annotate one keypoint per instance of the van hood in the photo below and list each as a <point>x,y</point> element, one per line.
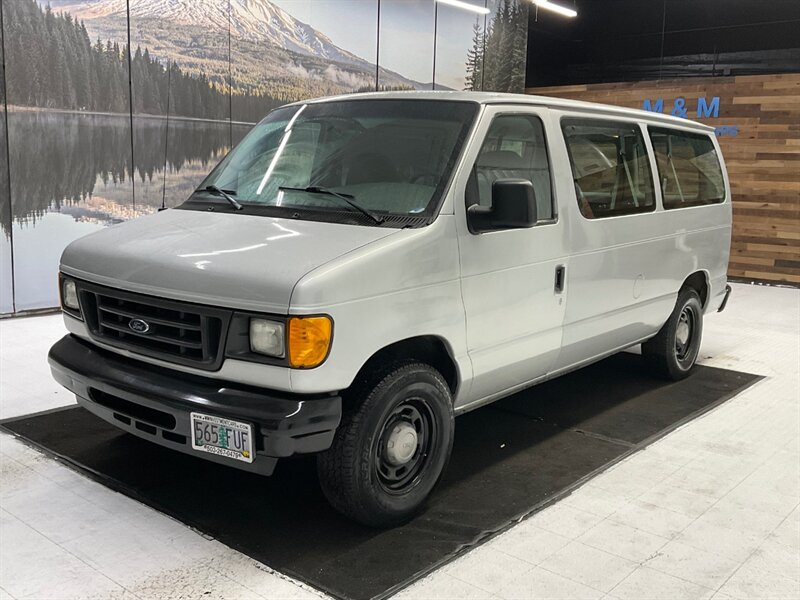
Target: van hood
<point>232,260</point>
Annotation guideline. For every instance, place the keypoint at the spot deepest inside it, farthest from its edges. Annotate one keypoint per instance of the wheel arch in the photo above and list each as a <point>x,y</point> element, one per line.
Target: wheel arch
<point>699,282</point>
<point>429,349</point>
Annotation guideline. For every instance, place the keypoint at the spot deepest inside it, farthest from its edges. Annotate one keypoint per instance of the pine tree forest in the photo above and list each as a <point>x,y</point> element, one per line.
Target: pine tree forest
<point>59,67</point>
<point>493,61</point>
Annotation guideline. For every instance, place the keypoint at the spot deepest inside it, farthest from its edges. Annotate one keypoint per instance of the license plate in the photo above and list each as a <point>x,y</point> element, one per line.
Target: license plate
<point>222,437</point>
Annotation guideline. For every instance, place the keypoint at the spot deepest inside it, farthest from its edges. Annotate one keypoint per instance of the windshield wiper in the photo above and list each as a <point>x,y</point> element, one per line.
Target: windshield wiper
<point>212,189</point>
<point>350,199</point>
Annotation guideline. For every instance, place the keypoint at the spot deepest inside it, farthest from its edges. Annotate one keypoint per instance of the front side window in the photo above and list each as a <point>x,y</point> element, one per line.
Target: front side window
<point>610,167</point>
<point>688,168</point>
<point>514,148</point>
<point>392,158</point>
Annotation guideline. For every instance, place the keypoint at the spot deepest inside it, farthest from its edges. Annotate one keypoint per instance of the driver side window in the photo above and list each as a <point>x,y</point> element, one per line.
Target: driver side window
<point>514,148</point>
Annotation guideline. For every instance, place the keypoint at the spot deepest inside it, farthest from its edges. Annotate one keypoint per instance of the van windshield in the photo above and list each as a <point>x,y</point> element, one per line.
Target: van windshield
<point>370,162</point>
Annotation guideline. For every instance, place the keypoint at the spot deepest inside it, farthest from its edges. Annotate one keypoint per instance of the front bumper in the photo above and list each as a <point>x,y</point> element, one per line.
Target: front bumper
<point>155,403</point>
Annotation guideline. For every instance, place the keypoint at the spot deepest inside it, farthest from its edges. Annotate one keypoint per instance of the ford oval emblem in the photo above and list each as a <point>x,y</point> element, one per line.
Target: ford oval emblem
<point>138,326</point>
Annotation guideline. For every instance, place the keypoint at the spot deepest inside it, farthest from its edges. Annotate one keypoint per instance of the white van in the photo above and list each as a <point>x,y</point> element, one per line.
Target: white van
<point>360,269</point>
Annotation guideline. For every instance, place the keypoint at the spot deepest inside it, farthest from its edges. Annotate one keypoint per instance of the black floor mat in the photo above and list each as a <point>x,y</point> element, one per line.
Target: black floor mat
<point>509,459</point>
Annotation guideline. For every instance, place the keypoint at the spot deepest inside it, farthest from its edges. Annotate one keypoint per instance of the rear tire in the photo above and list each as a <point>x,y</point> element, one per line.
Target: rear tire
<point>673,351</point>
<point>391,447</point>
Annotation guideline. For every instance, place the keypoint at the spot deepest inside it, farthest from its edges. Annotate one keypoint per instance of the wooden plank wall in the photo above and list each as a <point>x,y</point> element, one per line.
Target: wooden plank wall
<point>763,160</point>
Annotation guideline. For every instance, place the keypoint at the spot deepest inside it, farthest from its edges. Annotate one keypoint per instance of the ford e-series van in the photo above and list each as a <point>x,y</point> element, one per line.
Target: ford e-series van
<point>361,269</point>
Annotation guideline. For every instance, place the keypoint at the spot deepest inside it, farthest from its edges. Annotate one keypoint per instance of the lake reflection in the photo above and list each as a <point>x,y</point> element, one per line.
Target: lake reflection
<point>70,175</point>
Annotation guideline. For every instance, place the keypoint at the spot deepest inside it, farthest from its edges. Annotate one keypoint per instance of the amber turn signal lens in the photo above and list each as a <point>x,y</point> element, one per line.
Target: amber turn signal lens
<point>309,341</point>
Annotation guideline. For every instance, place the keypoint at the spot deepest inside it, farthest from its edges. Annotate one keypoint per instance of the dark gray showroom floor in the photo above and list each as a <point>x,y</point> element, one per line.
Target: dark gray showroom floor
<point>509,460</point>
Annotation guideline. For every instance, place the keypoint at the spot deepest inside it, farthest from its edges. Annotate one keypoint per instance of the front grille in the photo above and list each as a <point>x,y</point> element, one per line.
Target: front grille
<point>179,332</point>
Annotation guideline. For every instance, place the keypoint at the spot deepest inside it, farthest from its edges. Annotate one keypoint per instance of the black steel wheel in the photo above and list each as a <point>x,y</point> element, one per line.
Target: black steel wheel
<point>684,333</point>
<point>673,351</point>
<point>405,444</point>
<point>391,447</point>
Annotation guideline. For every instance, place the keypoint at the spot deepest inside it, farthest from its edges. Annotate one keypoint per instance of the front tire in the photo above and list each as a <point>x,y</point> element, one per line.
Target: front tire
<point>673,351</point>
<point>391,447</point>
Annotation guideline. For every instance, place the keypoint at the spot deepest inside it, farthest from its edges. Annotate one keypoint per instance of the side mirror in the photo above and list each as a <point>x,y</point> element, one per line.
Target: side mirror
<point>513,207</point>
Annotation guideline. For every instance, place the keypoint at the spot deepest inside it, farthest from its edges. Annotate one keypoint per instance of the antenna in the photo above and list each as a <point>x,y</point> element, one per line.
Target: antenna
<point>378,52</point>
<point>435,31</point>
<point>166,143</point>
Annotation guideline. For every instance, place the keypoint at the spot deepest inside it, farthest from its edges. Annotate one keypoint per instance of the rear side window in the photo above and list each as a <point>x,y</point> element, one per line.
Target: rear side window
<point>610,167</point>
<point>688,168</point>
<point>514,148</point>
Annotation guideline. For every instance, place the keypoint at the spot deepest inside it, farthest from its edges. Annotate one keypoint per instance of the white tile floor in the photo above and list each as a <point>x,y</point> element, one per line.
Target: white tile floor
<point>710,511</point>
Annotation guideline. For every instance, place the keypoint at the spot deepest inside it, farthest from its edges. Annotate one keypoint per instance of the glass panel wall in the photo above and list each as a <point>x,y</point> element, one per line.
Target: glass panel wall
<point>99,135</point>
<point>69,156</point>
<point>406,44</point>
<point>6,277</point>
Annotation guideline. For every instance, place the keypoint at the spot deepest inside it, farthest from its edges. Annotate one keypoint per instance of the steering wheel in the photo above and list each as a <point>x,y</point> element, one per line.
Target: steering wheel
<point>287,168</point>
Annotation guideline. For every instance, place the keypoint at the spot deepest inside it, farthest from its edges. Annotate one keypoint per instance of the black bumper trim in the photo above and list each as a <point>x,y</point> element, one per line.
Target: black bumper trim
<point>113,386</point>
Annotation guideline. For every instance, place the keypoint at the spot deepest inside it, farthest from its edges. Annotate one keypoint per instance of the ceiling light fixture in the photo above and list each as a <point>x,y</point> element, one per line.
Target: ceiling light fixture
<point>466,6</point>
<point>556,8</point>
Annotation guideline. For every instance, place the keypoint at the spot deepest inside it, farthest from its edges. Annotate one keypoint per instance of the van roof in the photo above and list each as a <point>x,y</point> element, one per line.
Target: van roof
<point>521,99</point>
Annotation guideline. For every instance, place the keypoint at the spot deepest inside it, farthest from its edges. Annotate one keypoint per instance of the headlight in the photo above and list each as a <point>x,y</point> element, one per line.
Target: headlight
<point>309,341</point>
<point>69,295</point>
<point>266,337</point>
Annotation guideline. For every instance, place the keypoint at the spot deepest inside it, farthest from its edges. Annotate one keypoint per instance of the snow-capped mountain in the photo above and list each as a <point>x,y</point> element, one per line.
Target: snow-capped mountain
<point>250,20</point>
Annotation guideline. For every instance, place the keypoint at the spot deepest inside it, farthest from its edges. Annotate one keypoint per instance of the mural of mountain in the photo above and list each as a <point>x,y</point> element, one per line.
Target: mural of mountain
<point>78,160</point>
<point>252,20</point>
<point>193,33</point>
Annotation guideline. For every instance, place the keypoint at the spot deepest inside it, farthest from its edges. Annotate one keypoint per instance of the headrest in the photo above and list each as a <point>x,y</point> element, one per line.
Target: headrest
<point>502,159</point>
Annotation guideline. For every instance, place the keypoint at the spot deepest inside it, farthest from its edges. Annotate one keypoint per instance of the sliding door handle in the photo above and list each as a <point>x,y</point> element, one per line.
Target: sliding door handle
<point>561,272</point>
